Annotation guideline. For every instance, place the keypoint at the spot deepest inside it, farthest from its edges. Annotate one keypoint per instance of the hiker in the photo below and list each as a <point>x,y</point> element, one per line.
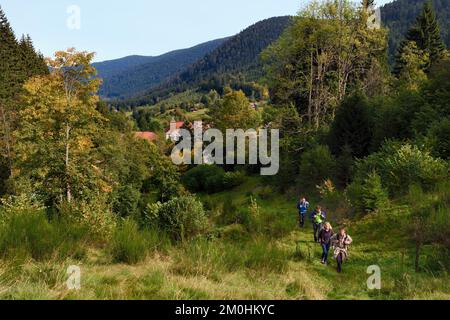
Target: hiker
<point>340,243</point>
<point>325,241</point>
<point>317,217</point>
<point>302,207</point>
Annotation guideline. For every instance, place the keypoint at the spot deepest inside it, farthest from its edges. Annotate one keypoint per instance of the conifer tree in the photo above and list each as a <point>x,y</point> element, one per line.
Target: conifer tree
<point>9,84</point>
<point>33,63</point>
<point>427,36</point>
<point>18,62</point>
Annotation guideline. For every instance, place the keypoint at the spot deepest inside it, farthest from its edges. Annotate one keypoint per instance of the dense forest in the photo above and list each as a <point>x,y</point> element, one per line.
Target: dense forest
<point>233,63</point>
<point>82,185</point>
<point>131,76</point>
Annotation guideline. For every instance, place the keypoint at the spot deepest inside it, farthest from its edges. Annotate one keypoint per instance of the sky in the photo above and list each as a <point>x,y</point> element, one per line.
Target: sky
<point>118,28</point>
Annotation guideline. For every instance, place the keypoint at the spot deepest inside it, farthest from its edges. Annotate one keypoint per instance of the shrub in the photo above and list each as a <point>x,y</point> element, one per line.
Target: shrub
<point>316,165</point>
<point>95,216</point>
<point>211,179</point>
<point>126,201</point>
<point>402,165</point>
<point>233,179</point>
<point>207,178</point>
<point>128,244</point>
<point>437,139</point>
<point>368,195</point>
<point>182,217</point>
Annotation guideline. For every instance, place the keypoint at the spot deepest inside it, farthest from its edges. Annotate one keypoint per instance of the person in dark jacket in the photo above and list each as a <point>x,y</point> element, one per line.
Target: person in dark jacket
<point>325,241</point>
<point>318,218</point>
<point>302,207</point>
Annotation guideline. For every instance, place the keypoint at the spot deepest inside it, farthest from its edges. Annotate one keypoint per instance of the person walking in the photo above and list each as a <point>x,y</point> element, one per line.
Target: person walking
<point>340,243</point>
<point>318,218</point>
<point>302,207</point>
<point>325,241</point>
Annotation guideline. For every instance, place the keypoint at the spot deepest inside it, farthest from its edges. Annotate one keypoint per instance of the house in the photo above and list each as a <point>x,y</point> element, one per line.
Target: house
<point>147,135</point>
<point>173,132</point>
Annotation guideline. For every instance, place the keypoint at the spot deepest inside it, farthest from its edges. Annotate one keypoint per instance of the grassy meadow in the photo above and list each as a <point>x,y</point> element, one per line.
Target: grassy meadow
<point>261,256</point>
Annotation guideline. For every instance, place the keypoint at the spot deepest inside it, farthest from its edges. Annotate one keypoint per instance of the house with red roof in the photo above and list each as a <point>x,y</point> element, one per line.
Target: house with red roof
<point>147,135</point>
<point>173,132</point>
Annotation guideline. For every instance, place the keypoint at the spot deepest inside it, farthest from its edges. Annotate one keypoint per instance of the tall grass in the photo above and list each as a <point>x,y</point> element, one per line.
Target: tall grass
<point>131,245</point>
<point>31,235</point>
<point>212,258</point>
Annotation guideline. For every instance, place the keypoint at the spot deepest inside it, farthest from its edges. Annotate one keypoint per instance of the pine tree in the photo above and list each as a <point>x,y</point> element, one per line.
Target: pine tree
<point>9,84</point>
<point>427,36</point>
<point>18,62</point>
<point>32,62</point>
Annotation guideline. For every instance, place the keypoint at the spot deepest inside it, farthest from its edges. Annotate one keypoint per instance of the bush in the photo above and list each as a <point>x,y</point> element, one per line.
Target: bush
<point>211,179</point>
<point>208,178</point>
<point>438,140</point>
<point>126,201</point>
<point>368,195</point>
<point>401,165</point>
<point>316,165</point>
<point>182,217</point>
<point>233,179</point>
<point>95,216</point>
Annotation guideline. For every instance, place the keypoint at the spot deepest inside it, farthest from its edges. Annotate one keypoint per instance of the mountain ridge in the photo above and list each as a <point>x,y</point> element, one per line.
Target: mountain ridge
<point>127,76</point>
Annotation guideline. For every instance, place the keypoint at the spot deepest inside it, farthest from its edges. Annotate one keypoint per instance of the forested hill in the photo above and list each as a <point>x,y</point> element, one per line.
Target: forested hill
<point>240,53</point>
<point>127,77</point>
<point>236,58</point>
<point>399,15</point>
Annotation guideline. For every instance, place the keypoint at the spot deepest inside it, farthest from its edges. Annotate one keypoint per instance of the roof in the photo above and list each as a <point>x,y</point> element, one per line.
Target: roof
<point>175,125</point>
<point>147,135</point>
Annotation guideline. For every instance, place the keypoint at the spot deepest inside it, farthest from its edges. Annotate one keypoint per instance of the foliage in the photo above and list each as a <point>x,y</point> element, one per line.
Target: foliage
<point>411,63</point>
<point>235,112</point>
<point>425,35</point>
<point>164,178</point>
<point>437,139</point>
<point>368,195</point>
<point>18,62</point>
<point>182,218</point>
<point>96,216</point>
<point>398,16</point>
<point>352,127</point>
<point>211,179</point>
<point>328,51</point>
<point>316,165</point>
<point>55,141</point>
<point>401,165</point>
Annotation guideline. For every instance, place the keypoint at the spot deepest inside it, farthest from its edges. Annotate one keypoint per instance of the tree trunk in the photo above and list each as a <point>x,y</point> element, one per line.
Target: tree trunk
<point>417,260</point>
<point>67,162</point>
<point>7,139</point>
<point>311,89</point>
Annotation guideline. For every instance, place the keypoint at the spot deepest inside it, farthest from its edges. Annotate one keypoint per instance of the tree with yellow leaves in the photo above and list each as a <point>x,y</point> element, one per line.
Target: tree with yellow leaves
<point>56,151</point>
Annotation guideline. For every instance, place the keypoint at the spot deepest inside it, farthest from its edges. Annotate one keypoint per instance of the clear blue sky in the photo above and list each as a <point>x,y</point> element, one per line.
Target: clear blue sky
<point>117,28</point>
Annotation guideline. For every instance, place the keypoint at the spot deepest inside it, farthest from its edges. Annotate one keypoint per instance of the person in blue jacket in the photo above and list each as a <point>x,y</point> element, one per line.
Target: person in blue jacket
<point>302,207</point>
